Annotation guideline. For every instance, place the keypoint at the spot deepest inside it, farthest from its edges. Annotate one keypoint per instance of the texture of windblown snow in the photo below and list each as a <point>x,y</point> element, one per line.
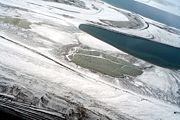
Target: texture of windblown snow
<point>54,34</point>
<point>95,43</point>
<point>122,100</point>
<point>160,78</point>
<point>104,12</point>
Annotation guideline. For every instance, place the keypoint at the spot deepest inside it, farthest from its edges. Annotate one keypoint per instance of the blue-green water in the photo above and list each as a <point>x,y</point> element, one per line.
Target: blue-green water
<point>147,11</point>
<point>153,52</point>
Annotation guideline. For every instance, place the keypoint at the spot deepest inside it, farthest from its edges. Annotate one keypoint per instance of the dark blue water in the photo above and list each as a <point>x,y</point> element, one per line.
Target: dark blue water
<point>153,52</point>
<point>147,11</point>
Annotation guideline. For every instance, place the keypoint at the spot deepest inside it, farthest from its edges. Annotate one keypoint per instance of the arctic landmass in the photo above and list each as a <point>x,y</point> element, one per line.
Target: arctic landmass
<point>51,69</point>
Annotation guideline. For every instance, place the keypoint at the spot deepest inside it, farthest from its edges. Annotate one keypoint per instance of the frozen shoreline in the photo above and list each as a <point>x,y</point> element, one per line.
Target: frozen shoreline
<point>32,63</point>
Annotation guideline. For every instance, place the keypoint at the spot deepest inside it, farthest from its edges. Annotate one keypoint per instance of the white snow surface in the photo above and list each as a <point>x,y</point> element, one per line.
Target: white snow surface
<point>122,100</point>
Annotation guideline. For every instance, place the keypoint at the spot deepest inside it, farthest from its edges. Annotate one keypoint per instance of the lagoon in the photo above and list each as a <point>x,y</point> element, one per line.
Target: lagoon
<point>156,53</point>
<point>147,11</point>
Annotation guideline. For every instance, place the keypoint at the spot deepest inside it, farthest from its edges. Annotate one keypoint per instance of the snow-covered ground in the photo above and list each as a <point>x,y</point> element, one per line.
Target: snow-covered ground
<point>34,58</point>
